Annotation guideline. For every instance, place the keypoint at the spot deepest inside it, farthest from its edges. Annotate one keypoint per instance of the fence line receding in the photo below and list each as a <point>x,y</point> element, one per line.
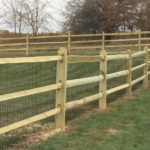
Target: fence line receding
<point>76,42</point>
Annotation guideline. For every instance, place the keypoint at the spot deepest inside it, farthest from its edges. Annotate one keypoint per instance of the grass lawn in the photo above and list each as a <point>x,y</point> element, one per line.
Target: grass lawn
<point>126,127</point>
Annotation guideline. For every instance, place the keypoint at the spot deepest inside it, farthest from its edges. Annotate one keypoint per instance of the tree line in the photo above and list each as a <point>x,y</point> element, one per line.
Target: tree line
<point>80,16</point>
<point>26,15</point>
<point>93,16</point>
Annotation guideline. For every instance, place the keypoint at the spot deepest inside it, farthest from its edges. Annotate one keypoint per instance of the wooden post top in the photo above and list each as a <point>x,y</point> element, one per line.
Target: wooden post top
<point>62,51</point>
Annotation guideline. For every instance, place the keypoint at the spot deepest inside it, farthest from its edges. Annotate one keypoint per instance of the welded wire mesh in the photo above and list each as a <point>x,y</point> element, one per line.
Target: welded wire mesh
<point>20,77</point>
<point>82,70</point>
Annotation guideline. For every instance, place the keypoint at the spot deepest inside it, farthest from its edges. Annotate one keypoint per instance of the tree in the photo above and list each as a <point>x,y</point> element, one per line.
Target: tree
<point>82,16</point>
<point>31,15</point>
<point>102,15</point>
<point>72,8</point>
<point>143,15</point>
<point>36,14</point>
<point>12,15</point>
<point>92,16</point>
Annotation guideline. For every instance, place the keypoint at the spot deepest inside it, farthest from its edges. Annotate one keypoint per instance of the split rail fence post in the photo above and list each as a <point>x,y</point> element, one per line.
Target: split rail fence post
<point>103,83</point>
<point>69,42</point>
<point>61,93</point>
<point>139,41</point>
<point>146,68</point>
<point>103,40</point>
<point>27,45</point>
<point>129,76</point>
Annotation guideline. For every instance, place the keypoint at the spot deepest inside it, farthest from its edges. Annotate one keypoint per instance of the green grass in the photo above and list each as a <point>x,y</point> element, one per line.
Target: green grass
<point>124,128</point>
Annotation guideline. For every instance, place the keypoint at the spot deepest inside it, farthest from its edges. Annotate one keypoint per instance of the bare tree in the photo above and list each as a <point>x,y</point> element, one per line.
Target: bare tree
<point>26,15</point>
<point>36,14</point>
<point>11,15</point>
<point>20,21</point>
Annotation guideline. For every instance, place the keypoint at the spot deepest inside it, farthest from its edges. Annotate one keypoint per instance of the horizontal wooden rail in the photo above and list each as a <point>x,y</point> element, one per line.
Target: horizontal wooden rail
<point>127,33</point>
<point>117,74</point>
<point>30,120</point>
<point>78,82</point>
<point>29,59</point>
<point>110,52</point>
<point>106,46</point>
<point>46,37</point>
<point>116,46</point>
<point>14,38</point>
<point>46,43</point>
<point>138,54</point>
<point>43,48</point>
<point>117,57</point>
<point>86,35</point>
<point>138,80</point>
<point>126,40</point>
<point>145,44</point>
<point>138,67</point>
<point>145,39</point>
<point>85,47</point>
<point>13,44</point>
<point>83,81</point>
<point>79,59</point>
<point>116,89</point>
<point>39,90</point>
<point>87,41</point>
<point>13,50</point>
<point>40,48</point>
<point>83,101</point>
<point>122,40</point>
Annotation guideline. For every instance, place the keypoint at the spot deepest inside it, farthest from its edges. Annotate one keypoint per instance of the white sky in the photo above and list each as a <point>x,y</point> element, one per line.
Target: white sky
<point>57,7</point>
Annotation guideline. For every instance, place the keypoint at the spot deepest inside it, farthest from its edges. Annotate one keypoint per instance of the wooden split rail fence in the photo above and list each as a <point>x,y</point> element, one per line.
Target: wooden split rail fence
<point>61,106</point>
<point>76,42</point>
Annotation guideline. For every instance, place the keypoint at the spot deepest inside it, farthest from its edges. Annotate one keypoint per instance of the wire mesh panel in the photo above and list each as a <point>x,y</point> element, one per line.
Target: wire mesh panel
<point>21,77</point>
<point>79,71</point>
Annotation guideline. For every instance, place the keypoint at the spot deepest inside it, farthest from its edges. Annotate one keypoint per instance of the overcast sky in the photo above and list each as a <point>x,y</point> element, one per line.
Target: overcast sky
<point>57,7</point>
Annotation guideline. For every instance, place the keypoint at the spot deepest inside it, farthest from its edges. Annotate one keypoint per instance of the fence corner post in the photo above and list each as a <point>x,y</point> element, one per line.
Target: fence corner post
<point>129,76</point>
<point>61,76</point>
<point>103,83</point>
<point>146,68</point>
<point>27,45</point>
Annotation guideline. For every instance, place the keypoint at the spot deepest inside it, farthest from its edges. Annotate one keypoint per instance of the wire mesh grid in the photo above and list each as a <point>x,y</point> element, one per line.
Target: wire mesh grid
<point>18,77</point>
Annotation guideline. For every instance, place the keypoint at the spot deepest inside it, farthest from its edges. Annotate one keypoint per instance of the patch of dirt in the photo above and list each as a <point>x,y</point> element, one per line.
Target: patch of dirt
<point>95,135</point>
<point>112,131</point>
<point>34,138</point>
